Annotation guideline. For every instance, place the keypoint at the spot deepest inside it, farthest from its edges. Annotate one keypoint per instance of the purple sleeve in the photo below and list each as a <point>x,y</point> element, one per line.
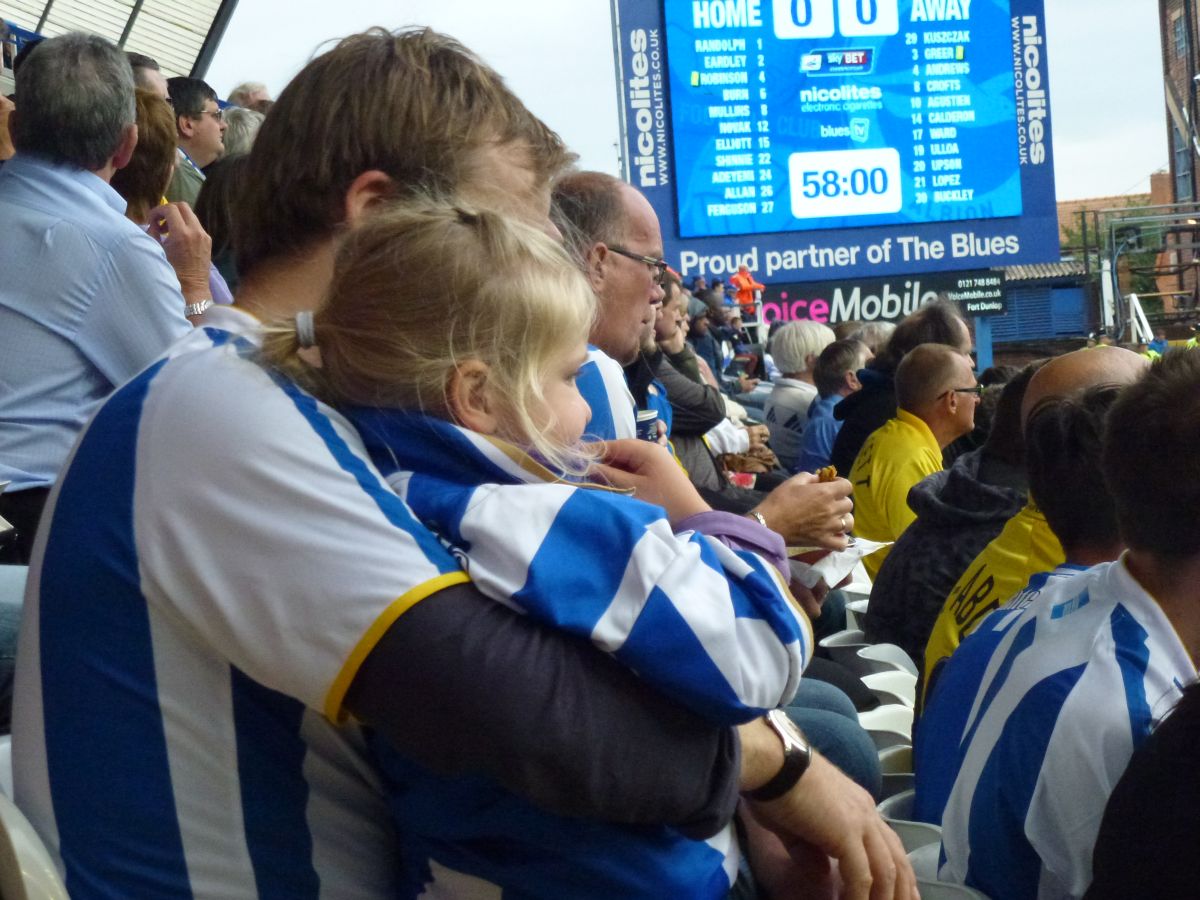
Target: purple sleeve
<point>218,287</point>
<point>740,533</point>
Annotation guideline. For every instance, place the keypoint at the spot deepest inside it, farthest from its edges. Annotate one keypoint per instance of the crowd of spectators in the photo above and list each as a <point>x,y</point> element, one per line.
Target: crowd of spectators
<point>347,578</point>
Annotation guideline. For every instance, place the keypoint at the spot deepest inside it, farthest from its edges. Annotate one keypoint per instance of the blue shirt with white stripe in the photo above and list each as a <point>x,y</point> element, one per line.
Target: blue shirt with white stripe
<point>601,381</point>
<point>220,554</point>
<point>711,626</point>
<point>1032,723</point>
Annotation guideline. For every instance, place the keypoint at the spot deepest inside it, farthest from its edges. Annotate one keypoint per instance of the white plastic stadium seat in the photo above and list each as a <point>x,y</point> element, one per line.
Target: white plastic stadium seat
<point>856,611</point>
<point>915,835</point>
<point>888,725</point>
<point>26,869</point>
<point>924,860</point>
<point>883,658</point>
<point>895,686</point>
<point>843,647</point>
<point>898,807</point>
<point>6,784</point>
<point>897,811</point>
<point>896,765</point>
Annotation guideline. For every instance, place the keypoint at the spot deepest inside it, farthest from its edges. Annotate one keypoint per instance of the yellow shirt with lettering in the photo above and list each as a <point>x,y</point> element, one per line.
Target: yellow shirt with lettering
<point>892,459</point>
<point>1025,547</point>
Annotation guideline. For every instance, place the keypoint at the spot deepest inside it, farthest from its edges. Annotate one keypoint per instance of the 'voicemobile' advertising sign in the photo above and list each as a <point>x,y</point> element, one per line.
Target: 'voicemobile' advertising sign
<point>978,293</point>
<point>817,139</point>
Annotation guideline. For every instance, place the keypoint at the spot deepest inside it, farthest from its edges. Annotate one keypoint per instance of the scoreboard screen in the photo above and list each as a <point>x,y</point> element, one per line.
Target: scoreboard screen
<point>818,138</point>
<point>831,113</point>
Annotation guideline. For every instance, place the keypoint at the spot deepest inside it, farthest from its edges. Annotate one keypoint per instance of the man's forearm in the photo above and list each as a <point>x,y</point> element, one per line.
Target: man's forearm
<point>762,755</point>
<point>462,684</point>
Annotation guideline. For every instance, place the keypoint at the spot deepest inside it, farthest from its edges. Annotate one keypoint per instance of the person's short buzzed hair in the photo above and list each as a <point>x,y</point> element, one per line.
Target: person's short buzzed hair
<point>940,322</point>
<point>75,96</point>
<point>1151,463</point>
<point>925,373</point>
<point>1063,459</point>
<point>840,357</point>
<point>141,61</point>
<point>586,208</point>
<point>415,105</point>
<point>1005,440</point>
<point>188,95</point>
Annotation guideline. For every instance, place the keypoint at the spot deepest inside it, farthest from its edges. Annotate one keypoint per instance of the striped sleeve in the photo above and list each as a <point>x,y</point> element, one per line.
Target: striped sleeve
<point>713,627</point>
<point>601,381</point>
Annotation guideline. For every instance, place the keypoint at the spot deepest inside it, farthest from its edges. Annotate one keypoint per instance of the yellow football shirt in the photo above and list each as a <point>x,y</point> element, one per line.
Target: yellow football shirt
<point>1025,547</point>
<point>892,459</point>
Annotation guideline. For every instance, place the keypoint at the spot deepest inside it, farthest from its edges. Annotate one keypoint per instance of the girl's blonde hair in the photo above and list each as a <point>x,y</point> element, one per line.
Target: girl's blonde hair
<point>425,285</point>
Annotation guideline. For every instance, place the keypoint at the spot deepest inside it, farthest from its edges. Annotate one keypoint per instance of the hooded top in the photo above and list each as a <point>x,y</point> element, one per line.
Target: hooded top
<point>959,511</point>
<point>861,413</point>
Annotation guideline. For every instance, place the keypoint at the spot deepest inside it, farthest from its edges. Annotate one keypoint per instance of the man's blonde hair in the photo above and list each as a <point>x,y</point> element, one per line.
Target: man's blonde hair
<point>424,286</point>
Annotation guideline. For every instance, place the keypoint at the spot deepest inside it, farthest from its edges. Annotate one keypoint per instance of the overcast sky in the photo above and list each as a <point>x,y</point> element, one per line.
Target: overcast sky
<point>1105,71</point>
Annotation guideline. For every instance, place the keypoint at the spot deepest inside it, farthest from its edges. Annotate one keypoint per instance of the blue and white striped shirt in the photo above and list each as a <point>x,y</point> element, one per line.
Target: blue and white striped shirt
<point>713,627</point>
<point>601,381</point>
<point>1034,720</point>
<point>178,714</point>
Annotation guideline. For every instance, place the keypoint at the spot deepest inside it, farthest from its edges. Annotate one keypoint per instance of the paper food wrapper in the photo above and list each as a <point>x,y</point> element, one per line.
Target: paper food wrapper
<point>834,565</point>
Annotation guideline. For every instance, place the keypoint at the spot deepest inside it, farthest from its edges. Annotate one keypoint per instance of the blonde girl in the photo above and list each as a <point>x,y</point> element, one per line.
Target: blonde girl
<point>451,338</point>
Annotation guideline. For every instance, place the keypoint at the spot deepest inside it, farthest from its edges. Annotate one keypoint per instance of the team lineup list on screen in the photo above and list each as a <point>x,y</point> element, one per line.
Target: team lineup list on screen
<point>794,115</point>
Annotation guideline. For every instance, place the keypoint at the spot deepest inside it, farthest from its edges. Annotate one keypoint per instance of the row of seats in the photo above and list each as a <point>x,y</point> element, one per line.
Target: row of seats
<point>889,673</point>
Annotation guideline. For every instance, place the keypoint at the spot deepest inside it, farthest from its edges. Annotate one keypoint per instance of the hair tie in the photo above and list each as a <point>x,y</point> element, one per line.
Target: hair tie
<point>306,334</point>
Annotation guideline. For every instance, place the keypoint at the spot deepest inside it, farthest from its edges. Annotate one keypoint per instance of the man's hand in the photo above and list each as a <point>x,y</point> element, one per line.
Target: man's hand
<point>759,435</point>
<point>653,475</point>
<point>806,512</point>
<point>187,245</point>
<point>675,343</point>
<point>830,812</point>
<point>746,385</point>
<point>7,151</point>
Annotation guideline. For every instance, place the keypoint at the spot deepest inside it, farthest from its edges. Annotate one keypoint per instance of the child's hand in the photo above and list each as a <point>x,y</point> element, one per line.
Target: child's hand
<point>653,475</point>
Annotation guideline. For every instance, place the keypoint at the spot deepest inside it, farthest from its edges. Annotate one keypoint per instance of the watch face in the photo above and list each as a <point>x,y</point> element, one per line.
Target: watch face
<point>784,723</point>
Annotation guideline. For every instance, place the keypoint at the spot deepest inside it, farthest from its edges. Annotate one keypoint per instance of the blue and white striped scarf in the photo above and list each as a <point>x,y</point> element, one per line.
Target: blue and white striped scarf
<point>713,627</point>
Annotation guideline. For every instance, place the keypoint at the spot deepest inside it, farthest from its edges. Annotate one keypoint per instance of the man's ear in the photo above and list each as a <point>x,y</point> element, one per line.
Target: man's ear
<point>124,151</point>
<point>184,125</point>
<point>469,395</point>
<point>366,192</point>
<point>597,262</point>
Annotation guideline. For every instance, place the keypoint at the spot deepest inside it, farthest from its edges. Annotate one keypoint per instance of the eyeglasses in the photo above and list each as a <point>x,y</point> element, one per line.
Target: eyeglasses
<point>977,390</point>
<point>217,114</point>
<point>658,267</point>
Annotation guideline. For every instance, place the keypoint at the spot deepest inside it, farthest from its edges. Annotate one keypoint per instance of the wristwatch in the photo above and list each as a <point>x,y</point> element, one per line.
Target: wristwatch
<point>796,756</point>
<point>196,309</point>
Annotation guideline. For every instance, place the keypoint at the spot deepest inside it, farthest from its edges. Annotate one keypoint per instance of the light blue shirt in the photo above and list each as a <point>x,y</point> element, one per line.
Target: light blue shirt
<point>87,300</point>
<point>816,447</point>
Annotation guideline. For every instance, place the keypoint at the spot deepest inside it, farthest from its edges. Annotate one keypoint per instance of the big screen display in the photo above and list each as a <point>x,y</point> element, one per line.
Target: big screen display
<point>819,138</point>
<point>829,113</point>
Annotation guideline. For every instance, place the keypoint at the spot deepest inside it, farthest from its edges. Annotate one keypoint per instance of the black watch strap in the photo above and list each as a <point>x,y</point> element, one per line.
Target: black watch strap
<point>796,757</point>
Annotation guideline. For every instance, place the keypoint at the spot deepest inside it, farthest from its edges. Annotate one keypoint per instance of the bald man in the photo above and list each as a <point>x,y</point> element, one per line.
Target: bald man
<point>1035,717</point>
<point>1027,544</point>
<point>936,396</point>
